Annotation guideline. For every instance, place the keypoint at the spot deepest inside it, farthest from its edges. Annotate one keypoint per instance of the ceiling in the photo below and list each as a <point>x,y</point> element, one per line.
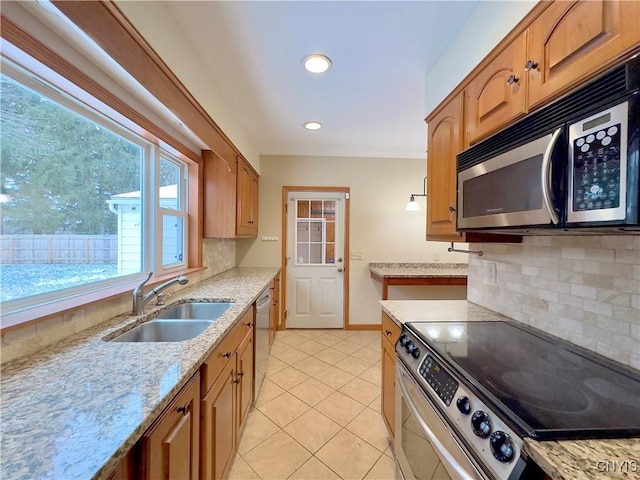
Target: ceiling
<point>371,102</point>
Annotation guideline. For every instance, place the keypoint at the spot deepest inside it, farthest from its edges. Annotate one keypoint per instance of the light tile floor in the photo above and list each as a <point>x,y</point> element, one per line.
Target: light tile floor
<point>318,414</point>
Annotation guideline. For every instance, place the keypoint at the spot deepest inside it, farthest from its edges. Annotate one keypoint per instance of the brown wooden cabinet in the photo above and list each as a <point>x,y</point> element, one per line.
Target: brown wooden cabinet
<point>247,206</point>
<point>390,334</point>
<point>219,425</point>
<point>571,41</point>
<point>444,143</point>
<point>230,196</point>
<point>171,447</point>
<point>227,393</point>
<point>497,94</point>
<point>274,310</point>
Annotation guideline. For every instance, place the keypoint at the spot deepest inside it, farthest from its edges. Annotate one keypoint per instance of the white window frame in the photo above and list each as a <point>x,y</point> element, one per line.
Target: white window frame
<point>15,312</point>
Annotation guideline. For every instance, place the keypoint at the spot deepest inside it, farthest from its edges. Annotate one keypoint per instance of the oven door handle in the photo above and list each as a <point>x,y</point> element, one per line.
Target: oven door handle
<point>546,176</point>
<point>444,455</point>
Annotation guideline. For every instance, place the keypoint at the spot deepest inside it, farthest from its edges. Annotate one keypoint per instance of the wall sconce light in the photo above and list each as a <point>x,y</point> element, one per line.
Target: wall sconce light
<point>413,206</point>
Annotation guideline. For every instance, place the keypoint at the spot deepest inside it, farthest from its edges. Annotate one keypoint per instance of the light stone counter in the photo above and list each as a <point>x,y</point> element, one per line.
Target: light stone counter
<point>419,270</point>
<point>563,460</point>
<point>73,410</point>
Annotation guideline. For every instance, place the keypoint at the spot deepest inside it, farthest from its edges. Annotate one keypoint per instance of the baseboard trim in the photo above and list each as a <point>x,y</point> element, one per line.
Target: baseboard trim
<point>364,326</point>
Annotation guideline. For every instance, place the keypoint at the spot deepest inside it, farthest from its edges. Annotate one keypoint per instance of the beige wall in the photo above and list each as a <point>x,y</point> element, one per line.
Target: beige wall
<point>154,21</point>
<point>582,289</point>
<point>380,227</point>
<point>218,256</point>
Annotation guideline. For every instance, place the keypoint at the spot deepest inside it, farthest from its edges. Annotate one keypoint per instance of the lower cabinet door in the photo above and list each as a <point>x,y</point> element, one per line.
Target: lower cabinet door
<point>171,446</point>
<point>244,359</point>
<point>388,385</point>
<point>219,425</point>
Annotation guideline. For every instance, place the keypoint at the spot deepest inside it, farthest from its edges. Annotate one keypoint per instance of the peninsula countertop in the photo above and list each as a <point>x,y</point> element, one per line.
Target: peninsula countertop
<point>418,274</point>
<point>74,409</point>
<point>561,460</point>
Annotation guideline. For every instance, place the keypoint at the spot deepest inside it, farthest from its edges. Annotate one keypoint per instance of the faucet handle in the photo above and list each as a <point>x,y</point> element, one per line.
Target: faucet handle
<point>161,297</point>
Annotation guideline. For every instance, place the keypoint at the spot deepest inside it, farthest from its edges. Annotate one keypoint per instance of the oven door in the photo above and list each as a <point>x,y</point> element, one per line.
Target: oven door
<point>425,447</point>
<point>518,188</point>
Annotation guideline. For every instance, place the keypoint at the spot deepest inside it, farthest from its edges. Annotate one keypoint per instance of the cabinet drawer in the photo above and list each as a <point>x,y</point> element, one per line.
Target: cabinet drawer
<point>390,330</point>
<point>223,354</point>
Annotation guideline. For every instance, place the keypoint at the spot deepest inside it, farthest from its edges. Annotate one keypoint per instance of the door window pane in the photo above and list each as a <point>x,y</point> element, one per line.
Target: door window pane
<point>72,212</point>
<point>315,232</point>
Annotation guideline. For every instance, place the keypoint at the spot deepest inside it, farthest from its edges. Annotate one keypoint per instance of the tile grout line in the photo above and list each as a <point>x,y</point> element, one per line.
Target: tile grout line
<point>368,343</point>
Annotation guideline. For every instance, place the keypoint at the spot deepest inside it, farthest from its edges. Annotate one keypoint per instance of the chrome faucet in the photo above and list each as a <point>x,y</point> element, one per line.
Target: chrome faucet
<point>140,300</point>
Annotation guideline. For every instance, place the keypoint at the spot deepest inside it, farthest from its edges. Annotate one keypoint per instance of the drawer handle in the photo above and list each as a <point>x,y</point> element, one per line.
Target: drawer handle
<point>227,355</point>
<point>185,409</point>
<point>388,332</point>
<point>512,79</point>
<point>530,65</point>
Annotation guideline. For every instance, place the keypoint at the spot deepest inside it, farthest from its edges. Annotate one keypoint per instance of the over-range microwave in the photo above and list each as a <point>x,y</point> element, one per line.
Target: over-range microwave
<point>572,166</point>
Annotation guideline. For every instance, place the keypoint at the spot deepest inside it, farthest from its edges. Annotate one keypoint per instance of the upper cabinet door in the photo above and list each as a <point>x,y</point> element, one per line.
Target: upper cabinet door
<point>444,143</point>
<point>497,94</point>
<point>569,41</point>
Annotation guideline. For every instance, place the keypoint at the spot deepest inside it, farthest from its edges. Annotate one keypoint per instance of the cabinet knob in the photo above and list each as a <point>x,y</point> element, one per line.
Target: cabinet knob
<point>387,332</point>
<point>452,208</point>
<point>512,79</point>
<point>530,65</point>
<point>248,324</point>
<point>185,409</point>
<point>227,355</point>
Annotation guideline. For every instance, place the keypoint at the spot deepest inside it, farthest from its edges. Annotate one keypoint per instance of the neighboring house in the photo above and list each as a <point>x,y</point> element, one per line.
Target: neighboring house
<point>127,207</point>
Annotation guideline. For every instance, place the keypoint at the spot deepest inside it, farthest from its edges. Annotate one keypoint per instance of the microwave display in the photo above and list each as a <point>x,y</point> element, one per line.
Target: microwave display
<point>596,170</point>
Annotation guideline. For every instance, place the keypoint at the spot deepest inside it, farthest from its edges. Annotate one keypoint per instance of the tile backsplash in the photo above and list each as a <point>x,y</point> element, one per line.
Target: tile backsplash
<point>582,289</point>
<point>218,255</point>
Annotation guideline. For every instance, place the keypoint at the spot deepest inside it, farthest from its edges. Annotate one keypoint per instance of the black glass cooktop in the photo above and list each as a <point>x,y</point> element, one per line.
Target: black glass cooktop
<point>550,389</point>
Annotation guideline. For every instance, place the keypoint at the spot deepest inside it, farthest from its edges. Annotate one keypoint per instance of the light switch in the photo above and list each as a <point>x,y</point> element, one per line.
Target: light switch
<point>356,255</point>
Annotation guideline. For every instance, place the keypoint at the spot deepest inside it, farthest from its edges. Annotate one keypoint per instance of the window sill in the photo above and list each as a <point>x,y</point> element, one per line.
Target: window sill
<point>34,315</point>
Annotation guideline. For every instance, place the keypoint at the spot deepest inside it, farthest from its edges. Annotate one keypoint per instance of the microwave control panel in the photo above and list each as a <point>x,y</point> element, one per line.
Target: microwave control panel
<point>596,170</point>
<point>597,151</point>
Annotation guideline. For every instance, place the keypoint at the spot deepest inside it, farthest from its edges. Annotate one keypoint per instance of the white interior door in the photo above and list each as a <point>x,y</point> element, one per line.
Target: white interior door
<point>315,259</point>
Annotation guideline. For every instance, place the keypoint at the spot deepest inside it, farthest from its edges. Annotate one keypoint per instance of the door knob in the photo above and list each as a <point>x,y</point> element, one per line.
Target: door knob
<point>340,269</point>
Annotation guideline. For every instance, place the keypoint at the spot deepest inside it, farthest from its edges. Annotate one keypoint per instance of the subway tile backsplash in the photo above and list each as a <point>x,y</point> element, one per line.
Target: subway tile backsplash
<point>582,289</point>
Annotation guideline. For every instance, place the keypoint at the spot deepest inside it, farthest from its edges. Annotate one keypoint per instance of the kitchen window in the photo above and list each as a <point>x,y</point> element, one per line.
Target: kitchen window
<point>86,204</point>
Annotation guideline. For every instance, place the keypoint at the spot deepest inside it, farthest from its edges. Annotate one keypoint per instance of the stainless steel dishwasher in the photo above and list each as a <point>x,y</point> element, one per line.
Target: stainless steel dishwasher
<point>262,348</point>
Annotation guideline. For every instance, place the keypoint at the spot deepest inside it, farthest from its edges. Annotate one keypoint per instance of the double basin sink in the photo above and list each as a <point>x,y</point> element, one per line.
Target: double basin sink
<point>182,322</point>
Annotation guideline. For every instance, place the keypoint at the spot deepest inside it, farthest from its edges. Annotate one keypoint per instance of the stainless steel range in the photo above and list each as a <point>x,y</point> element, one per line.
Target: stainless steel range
<point>467,393</point>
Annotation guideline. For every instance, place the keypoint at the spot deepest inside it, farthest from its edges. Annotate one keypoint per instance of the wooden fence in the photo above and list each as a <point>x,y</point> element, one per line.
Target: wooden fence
<point>84,249</point>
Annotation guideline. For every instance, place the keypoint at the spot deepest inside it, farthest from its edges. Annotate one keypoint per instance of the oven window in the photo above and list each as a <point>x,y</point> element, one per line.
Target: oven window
<point>515,188</point>
<point>422,458</point>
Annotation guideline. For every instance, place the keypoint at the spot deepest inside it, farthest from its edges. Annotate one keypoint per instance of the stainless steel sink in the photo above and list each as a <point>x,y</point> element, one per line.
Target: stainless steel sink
<point>196,311</point>
<point>158,330</point>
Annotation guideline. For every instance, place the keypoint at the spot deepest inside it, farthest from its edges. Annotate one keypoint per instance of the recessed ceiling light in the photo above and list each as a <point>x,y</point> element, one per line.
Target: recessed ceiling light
<point>317,63</point>
<point>313,125</point>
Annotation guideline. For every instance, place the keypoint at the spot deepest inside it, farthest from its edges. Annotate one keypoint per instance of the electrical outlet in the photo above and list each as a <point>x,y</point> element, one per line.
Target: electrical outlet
<point>269,239</point>
<point>356,255</point>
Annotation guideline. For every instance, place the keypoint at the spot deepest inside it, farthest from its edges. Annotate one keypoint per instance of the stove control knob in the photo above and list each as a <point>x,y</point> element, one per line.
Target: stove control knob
<point>501,446</point>
<point>415,353</point>
<point>409,346</point>
<point>464,405</point>
<point>403,340</point>
<point>481,424</point>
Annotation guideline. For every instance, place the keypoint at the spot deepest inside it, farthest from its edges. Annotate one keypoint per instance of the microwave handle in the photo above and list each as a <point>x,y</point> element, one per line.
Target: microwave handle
<point>546,176</point>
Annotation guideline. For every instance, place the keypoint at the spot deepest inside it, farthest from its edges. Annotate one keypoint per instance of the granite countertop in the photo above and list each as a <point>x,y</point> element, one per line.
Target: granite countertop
<point>561,460</point>
<point>408,270</point>
<point>75,409</point>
